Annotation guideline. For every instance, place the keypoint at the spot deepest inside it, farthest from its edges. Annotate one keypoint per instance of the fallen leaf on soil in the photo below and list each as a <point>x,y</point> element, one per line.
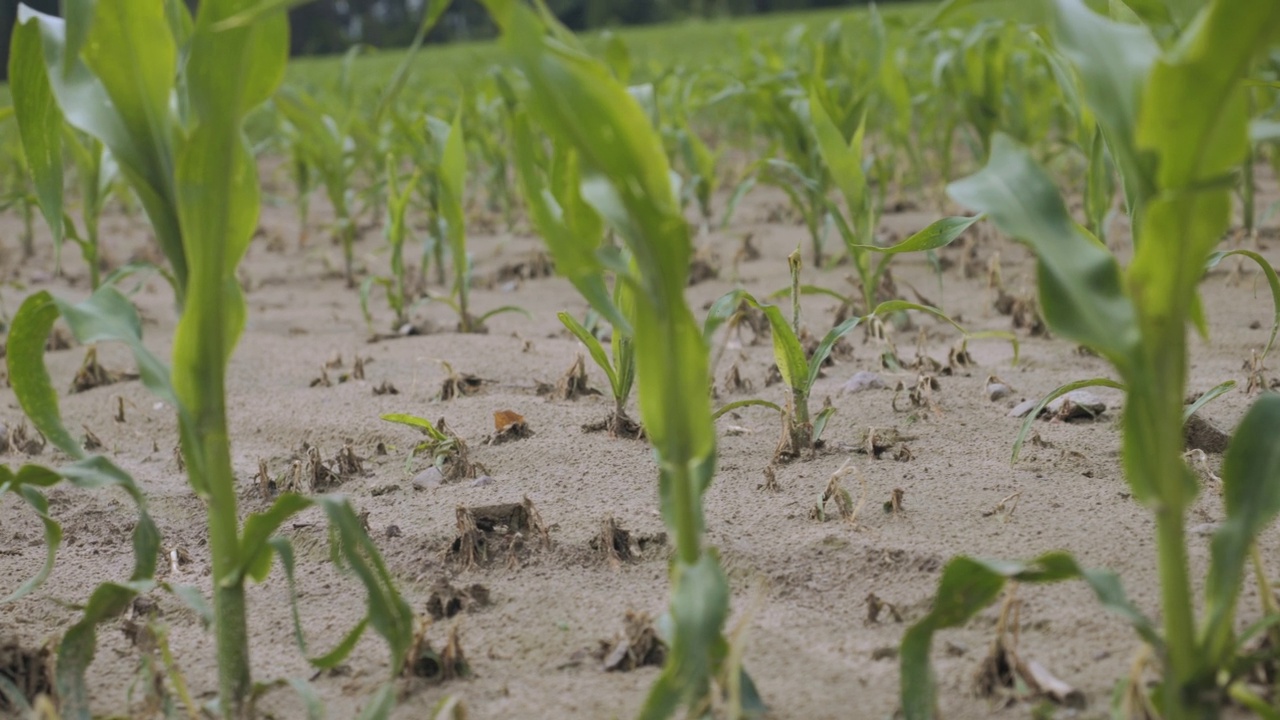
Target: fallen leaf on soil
<point>637,646</point>
<point>92,374</point>
<point>510,425</point>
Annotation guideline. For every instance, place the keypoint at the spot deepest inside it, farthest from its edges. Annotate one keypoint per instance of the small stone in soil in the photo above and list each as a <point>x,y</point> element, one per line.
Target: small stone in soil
<point>428,479</point>
<point>482,481</point>
<point>1203,434</point>
<point>863,380</point>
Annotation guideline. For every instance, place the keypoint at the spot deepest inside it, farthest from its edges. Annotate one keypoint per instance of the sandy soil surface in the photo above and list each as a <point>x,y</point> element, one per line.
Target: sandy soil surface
<point>801,586</point>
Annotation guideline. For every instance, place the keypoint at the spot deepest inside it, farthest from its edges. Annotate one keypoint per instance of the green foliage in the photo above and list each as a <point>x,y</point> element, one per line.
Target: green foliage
<point>396,285</point>
<point>1174,152</point>
<point>193,171</point>
<point>626,179</point>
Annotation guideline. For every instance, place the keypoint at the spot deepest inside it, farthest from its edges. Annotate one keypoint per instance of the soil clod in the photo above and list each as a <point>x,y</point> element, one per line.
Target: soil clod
<point>614,542</point>
<point>1203,434</point>
<point>447,600</point>
<point>485,529</point>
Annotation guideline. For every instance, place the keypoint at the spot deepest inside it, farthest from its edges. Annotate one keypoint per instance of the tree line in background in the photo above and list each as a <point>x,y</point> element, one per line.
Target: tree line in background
<point>331,26</point>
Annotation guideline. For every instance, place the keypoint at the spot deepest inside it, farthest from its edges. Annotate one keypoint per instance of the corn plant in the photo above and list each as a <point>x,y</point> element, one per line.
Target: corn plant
<point>396,284</point>
<point>627,179</point>
<point>574,232</point>
<point>97,173</point>
<point>451,188</point>
<point>843,157</point>
<point>175,129</point>
<point>325,145</point>
<point>1177,121</point>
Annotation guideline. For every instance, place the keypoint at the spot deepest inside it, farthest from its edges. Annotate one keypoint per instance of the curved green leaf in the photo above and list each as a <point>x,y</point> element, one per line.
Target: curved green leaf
<point>750,402</point>
<point>967,586</point>
<point>1251,495</point>
<point>39,121</point>
<point>824,349</point>
<point>24,358</point>
<point>1053,395</point>
<point>593,346</point>
<point>1212,394</point>
<point>1272,280</point>
<point>1080,288</point>
<point>939,233</point>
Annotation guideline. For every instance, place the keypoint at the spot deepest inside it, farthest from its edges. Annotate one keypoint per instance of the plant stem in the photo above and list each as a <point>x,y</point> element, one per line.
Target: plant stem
<point>688,545</point>
<point>230,623</point>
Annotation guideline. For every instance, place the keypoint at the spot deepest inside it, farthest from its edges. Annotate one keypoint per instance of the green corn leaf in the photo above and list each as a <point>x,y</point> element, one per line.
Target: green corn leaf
<point>1251,495</point>
<point>1113,60</point>
<point>310,698</point>
<point>343,648</point>
<point>787,351</point>
<point>24,358</point>
<point>388,614</point>
<point>939,233</point>
<point>1080,288</point>
<point>1273,281</point>
<point>194,599</point>
<point>426,426</point>
<point>255,552</point>
<point>842,158</point>
<point>108,316</point>
<point>1193,93</point>
<point>573,250</point>
<point>1099,185</point>
<point>1053,395</point>
<point>27,484</point>
<point>76,650</point>
<point>750,402</point>
<point>39,121</point>
<point>1209,396</point>
<point>97,471</point>
<point>593,346</point>
<point>501,310</point>
<point>380,705</point>
<point>739,191</point>
<point>722,308</point>
<point>824,349</point>
<point>16,700</point>
<point>820,422</point>
<point>699,606</point>
<point>453,172</point>
<point>967,586</point>
<point>102,92</point>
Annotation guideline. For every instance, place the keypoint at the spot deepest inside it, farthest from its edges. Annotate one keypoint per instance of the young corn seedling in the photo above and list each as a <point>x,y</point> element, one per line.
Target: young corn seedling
<point>191,167</point>
<point>801,432</point>
<point>452,182</point>
<point>1177,122</point>
<point>97,173</point>
<point>322,143</point>
<point>627,179</point>
<point>620,369</point>
<point>396,284</point>
<point>843,158</point>
<point>574,232</point>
